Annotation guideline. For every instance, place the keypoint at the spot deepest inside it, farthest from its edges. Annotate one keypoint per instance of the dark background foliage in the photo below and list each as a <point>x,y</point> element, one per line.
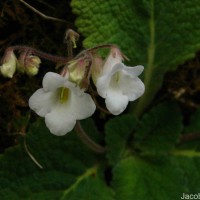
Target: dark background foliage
<point>158,151</point>
<point>21,26</point>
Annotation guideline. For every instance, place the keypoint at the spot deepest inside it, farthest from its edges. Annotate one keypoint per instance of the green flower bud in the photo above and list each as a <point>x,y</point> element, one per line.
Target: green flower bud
<point>33,64</point>
<point>8,67</point>
<point>77,70</point>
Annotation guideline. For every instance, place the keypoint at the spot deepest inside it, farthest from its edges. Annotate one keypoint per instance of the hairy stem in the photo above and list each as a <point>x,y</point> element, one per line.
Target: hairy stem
<point>103,46</point>
<point>87,140</point>
<point>56,59</point>
<point>190,137</point>
<point>41,14</point>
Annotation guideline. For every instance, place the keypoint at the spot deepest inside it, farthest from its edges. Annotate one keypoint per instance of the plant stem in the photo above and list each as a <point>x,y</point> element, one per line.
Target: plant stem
<point>41,14</point>
<point>87,140</point>
<point>56,59</point>
<point>103,46</point>
<point>190,137</point>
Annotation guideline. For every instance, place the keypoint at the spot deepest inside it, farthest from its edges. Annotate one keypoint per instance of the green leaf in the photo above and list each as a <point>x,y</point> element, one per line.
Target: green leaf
<point>90,189</point>
<point>137,179</point>
<point>159,130</point>
<point>190,167</point>
<point>91,129</point>
<point>118,131</point>
<point>68,167</point>
<point>157,34</point>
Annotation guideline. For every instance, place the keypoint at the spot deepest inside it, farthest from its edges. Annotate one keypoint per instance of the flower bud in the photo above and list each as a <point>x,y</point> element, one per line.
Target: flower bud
<point>8,67</point>
<point>96,68</point>
<point>77,70</point>
<point>20,63</point>
<point>33,65</point>
<point>28,64</point>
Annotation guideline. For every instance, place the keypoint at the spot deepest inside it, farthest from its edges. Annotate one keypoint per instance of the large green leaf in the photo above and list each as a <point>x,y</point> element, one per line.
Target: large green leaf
<point>155,33</point>
<point>137,179</point>
<point>159,130</point>
<point>118,131</point>
<point>70,169</point>
<point>190,167</point>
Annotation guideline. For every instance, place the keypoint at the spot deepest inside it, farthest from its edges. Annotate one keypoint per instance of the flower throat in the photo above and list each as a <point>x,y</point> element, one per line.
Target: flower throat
<point>64,94</point>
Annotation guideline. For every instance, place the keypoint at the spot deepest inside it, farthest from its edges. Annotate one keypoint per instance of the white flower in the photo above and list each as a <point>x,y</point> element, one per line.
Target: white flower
<point>8,67</point>
<point>61,103</point>
<point>119,84</point>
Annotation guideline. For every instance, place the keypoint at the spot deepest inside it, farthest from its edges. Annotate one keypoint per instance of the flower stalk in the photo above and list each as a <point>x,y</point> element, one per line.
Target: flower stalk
<point>87,140</point>
<point>39,53</point>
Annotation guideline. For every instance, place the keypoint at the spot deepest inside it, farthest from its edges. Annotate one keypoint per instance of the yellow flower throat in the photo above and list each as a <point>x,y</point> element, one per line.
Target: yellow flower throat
<point>64,94</point>
<point>117,76</point>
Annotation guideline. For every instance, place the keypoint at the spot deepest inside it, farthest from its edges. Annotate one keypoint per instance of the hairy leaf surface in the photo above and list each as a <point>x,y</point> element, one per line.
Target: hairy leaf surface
<point>157,34</point>
<point>70,169</point>
<point>159,130</point>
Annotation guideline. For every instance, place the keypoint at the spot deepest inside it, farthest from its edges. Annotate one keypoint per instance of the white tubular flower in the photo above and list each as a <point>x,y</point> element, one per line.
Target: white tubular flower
<point>119,84</point>
<point>9,65</point>
<point>61,103</point>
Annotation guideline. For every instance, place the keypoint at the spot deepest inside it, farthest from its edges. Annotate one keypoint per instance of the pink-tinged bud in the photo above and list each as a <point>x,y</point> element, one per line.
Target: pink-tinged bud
<point>114,57</point>
<point>33,65</point>
<point>77,70</point>
<point>96,68</point>
<point>116,53</point>
<point>28,64</point>
<point>9,63</point>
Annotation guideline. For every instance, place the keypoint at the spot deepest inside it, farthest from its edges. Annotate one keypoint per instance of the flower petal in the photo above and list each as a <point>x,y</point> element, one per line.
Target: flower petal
<point>63,116</point>
<point>81,104</point>
<point>116,102</point>
<point>60,121</point>
<point>52,81</point>
<point>102,85</point>
<point>111,61</point>
<point>42,102</point>
<point>132,87</point>
<point>133,71</point>
<point>103,82</point>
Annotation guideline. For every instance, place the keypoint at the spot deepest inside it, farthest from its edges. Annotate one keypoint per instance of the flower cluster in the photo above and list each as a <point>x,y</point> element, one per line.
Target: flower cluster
<point>27,63</point>
<point>65,97</point>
